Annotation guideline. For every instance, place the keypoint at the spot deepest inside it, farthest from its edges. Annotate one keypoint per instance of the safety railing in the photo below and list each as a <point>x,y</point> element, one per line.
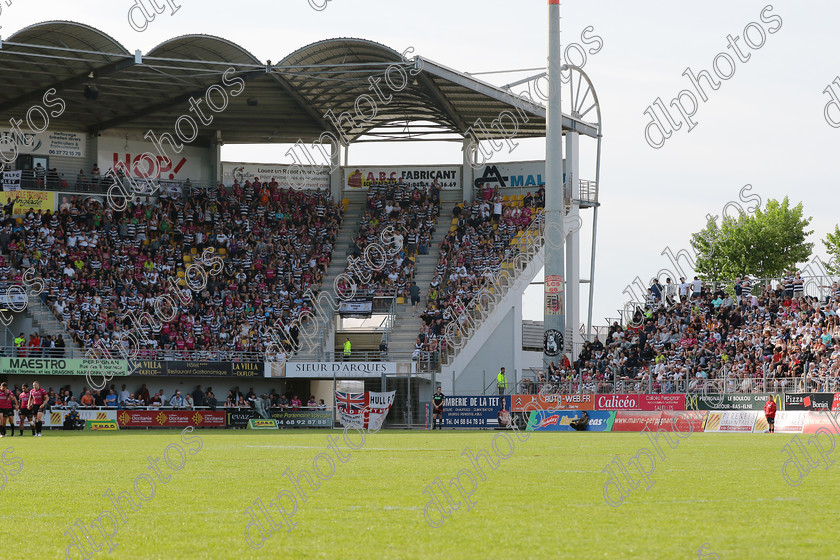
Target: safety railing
<point>465,321</point>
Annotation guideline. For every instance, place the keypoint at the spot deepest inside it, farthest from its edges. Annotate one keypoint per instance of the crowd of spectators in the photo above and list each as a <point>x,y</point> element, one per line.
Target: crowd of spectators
<point>99,263</point>
<point>471,253</point>
<point>748,337</point>
<point>143,398</point>
<point>412,213</point>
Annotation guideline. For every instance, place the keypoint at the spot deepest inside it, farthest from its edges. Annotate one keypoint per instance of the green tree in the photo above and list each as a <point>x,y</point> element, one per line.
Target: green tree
<point>832,246</point>
<point>763,244</point>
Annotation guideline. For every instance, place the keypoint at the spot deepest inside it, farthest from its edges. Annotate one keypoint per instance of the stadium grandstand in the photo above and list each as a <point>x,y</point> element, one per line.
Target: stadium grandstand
<point>121,193</point>
<point>469,242</point>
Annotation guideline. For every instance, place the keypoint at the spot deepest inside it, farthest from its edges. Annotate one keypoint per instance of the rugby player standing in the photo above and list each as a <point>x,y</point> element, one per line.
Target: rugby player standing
<point>7,409</point>
<point>437,408</point>
<point>37,403</point>
<point>24,412</point>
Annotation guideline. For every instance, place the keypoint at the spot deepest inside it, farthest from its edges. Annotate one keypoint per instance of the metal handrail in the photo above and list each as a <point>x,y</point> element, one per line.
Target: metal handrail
<point>496,285</point>
<point>68,181</point>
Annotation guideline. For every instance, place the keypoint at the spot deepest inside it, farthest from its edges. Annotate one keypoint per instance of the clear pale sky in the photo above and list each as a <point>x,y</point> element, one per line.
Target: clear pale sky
<point>764,126</point>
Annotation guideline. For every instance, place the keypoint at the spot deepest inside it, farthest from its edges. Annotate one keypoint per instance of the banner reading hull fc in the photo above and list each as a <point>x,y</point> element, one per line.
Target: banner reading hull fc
<point>752,401</point>
<point>363,410</point>
<point>148,368</point>
<point>810,401</point>
<point>447,176</point>
<point>170,418</point>
<point>62,366</point>
<point>287,176</point>
<point>285,418</point>
<point>560,421</point>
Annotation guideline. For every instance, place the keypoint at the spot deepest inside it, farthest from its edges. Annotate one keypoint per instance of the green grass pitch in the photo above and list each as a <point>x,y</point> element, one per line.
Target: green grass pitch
<point>545,501</point>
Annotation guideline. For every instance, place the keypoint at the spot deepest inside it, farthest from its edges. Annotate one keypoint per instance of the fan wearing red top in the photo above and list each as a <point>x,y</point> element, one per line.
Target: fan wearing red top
<point>37,403</point>
<point>770,413</point>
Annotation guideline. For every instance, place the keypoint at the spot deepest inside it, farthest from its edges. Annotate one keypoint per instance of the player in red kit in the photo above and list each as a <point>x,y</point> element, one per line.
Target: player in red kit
<point>7,409</point>
<point>770,413</point>
<point>24,412</point>
<point>37,403</point>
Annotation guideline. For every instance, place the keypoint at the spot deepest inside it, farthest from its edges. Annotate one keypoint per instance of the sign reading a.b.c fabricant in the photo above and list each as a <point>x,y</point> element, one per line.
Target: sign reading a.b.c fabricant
<point>552,342</point>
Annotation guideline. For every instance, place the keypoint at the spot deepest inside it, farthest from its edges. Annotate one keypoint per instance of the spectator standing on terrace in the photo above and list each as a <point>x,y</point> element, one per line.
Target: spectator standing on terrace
<point>198,396</point>
<point>20,340</point>
<point>501,381</point>
<point>696,287</point>
<point>123,396</point>
<point>348,348</point>
<point>312,404</point>
<point>770,413</point>
<point>189,404</point>
<point>414,292</point>
<point>684,287</point>
<point>111,399</point>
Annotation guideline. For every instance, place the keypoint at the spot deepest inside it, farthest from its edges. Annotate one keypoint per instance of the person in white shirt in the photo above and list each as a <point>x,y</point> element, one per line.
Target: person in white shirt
<point>123,395</point>
<point>696,287</point>
<point>684,286</point>
<point>177,401</point>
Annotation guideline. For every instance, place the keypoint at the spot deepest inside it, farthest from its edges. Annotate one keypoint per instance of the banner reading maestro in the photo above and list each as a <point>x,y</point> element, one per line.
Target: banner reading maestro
<point>62,366</point>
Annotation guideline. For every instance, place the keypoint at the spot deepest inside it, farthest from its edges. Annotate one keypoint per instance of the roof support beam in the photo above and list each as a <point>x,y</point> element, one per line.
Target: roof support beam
<point>30,96</point>
<point>163,105</point>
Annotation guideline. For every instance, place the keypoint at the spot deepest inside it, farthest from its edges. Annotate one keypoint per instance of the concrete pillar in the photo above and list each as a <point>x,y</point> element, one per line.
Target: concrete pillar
<point>336,175</point>
<point>467,171</point>
<point>572,229</point>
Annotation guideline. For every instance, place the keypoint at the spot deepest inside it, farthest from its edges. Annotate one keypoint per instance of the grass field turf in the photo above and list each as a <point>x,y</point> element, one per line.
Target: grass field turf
<point>545,501</point>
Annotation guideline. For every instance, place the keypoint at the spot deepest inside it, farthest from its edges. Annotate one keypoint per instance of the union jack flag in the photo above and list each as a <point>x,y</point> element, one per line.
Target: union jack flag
<point>350,402</point>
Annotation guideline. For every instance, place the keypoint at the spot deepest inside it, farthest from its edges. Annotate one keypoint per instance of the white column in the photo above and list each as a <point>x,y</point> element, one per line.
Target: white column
<point>336,176</point>
<point>572,227</point>
<point>467,173</point>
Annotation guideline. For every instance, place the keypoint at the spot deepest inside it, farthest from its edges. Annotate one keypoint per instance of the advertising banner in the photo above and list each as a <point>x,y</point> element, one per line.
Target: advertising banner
<point>304,418</point>
<point>527,175</point>
<point>828,420</point>
<point>640,402</point>
<point>742,421</point>
<point>636,421</point>
<point>790,422</point>
<point>147,368</point>
<point>191,163</point>
<point>11,180</point>
<point>447,176</point>
<point>730,401</point>
<point>809,401</point>
<point>686,421</point>
<point>527,403</point>
<point>61,366</point>
<point>101,425</point>
<point>288,176</point>
<point>560,421</point>
<point>47,143</point>
<point>24,200</point>
<point>170,418</point>
<point>473,412</point>
<point>262,424</point>
<point>342,370</point>
<point>55,418</point>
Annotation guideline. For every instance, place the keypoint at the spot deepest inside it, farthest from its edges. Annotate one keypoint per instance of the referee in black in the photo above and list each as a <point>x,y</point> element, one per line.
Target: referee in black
<point>437,408</point>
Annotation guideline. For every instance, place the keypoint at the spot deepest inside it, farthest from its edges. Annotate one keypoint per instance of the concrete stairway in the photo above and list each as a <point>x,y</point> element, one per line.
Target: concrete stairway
<point>407,327</point>
<point>346,235</point>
